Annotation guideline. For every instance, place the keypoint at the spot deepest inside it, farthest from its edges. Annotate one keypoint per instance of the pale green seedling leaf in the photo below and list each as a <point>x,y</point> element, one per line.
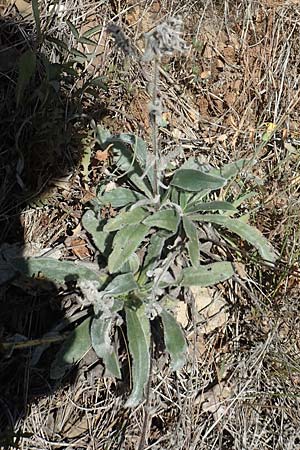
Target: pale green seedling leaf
<point>58,271</point>
<point>101,329</point>
<point>134,216</point>
<point>72,350</point>
<point>26,70</point>
<point>92,225</point>
<point>193,241</point>
<point>174,339</point>
<point>167,219</point>
<point>207,275</point>
<point>239,201</point>
<point>138,333</point>
<point>126,242</point>
<point>85,162</point>
<point>195,180</point>
<point>243,230</point>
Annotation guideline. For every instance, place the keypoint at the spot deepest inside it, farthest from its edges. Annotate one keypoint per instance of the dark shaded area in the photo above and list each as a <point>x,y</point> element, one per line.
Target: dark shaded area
<point>40,142</point>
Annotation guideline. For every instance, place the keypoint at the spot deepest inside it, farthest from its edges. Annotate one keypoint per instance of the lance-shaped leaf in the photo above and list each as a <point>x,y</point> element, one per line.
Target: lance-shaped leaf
<point>120,197</point>
<point>72,350</point>
<point>230,170</point>
<point>245,231</point>
<point>167,219</point>
<point>139,153</point>
<point>193,241</point>
<point>127,150</point>
<point>138,333</point>
<point>209,206</point>
<point>125,242</point>
<point>92,225</point>
<point>136,215</point>
<point>121,284</point>
<point>207,275</point>
<point>59,271</point>
<point>154,250</point>
<point>195,180</point>
<point>101,341</point>
<point>132,264</point>
<point>174,339</point>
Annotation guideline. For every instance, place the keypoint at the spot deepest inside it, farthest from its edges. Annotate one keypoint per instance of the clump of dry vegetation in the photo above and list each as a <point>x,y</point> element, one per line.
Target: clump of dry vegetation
<point>234,95</point>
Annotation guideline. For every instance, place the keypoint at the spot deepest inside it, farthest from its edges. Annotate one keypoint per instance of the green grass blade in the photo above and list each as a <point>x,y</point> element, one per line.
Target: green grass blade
<point>37,19</point>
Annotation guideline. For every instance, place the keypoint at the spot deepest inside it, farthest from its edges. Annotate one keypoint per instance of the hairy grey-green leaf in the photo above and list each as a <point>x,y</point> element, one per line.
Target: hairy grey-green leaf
<point>120,197</point>
<point>126,242</point>
<point>59,271</point>
<point>209,206</point>
<point>140,153</point>
<point>153,254</point>
<point>245,231</point>
<point>195,180</point>
<point>193,241</point>
<point>138,333</point>
<point>131,265</point>
<point>101,341</point>
<point>167,219</point>
<point>175,341</point>
<point>121,284</point>
<point>230,170</point>
<point>129,157</point>
<point>134,216</point>
<point>207,275</point>
<point>72,350</point>
<point>92,225</point>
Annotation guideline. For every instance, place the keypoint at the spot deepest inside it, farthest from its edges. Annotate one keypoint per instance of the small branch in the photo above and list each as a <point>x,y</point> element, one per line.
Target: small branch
<point>5,346</point>
<point>153,120</point>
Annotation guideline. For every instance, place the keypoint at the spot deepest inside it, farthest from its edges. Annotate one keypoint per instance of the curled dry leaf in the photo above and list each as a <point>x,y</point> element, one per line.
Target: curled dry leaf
<point>214,400</point>
<point>182,314</point>
<point>211,307</point>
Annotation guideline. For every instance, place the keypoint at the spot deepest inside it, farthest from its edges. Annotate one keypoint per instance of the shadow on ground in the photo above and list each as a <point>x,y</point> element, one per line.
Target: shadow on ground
<point>39,143</point>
